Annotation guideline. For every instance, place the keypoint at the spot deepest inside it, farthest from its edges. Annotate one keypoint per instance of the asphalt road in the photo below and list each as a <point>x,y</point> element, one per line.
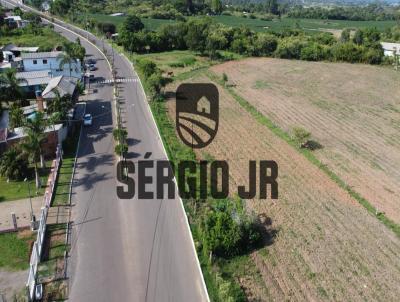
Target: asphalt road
<point>125,250</point>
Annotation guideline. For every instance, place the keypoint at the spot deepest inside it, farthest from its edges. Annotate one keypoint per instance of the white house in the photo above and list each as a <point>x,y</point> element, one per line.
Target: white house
<point>51,61</point>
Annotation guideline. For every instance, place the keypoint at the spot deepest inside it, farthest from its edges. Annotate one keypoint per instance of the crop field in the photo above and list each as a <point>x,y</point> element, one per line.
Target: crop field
<point>309,25</point>
<point>351,110</point>
<point>327,247</point>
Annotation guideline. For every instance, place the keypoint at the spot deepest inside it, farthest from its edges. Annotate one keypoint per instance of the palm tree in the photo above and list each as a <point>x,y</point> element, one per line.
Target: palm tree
<point>35,128</point>
<point>13,164</point>
<point>10,86</point>
<point>32,147</point>
<point>67,57</point>
<point>16,116</point>
<point>60,104</point>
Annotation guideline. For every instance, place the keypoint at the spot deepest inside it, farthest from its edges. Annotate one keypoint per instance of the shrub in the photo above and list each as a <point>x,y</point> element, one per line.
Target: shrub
<point>313,52</point>
<point>265,44</point>
<point>121,149</point>
<point>289,48</point>
<point>229,232</point>
<point>120,134</point>
<point>373,56</point>
<point>147,67</point>
<point>347,52</point>
<point>301,136</point>
<point>13,165</point>
<point>155,83</point>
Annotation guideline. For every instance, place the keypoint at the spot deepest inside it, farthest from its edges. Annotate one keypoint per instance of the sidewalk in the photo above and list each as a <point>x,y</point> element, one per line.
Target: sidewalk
<point>22,210</point>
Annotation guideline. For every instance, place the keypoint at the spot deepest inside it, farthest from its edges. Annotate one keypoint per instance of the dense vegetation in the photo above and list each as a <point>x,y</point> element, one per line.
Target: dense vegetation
<point>207,37</point>
<point>355,13</point>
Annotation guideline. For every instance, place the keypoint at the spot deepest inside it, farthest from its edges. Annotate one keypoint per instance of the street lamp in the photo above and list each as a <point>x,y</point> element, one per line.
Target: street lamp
<point>33,218</point>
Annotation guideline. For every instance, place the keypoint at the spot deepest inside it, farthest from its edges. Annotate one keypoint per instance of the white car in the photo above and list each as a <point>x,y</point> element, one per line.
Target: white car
<point>87,120</point>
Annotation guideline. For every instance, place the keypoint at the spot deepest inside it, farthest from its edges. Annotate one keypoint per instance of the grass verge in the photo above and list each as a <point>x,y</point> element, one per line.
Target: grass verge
<point>262,119</point>
<point>62,187</point>
<point>15,190</point>
<point>14,250</point>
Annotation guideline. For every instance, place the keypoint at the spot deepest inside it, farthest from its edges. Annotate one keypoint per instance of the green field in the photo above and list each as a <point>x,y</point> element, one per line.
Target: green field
<point>310,25</point>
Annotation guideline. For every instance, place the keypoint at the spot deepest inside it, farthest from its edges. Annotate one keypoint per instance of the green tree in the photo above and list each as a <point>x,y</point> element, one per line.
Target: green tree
<point>61,105</point>
<point>216,6</point>
<point>314,52</point>
<point>10,86</point>
<point>197,33</point>
<point>34,129</point>
<point>358,37</point>
<point>13,165</point>
<point>345,35</point>
<point>265,44</point>
<point>132,24</point>
<point>16,116</point>
<point>272,6</point>
<point>71,54</point>
<point>216,41</point>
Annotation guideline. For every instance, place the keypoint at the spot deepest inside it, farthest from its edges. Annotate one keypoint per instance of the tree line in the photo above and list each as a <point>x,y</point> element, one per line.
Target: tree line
<point>372,12</point>
<point>207,37</point>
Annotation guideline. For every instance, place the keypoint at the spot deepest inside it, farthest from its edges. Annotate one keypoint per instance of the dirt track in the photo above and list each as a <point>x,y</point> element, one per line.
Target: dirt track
<point>327,247</point>
<point>352,110</point>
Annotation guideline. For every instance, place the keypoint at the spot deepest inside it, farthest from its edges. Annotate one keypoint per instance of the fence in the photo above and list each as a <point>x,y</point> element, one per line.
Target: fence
<point>38,245</point>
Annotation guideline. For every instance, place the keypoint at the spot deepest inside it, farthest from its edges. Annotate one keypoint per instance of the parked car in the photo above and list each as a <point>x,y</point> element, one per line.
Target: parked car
<point>91,61</point>
<point>92,67</point>
<point>87,120</point>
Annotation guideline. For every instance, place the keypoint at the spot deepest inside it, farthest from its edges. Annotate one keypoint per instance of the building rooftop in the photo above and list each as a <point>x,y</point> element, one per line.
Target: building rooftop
<point>40,55</point>
<point>33,78</point>
<point>64,85</point>
<point>15,18</point>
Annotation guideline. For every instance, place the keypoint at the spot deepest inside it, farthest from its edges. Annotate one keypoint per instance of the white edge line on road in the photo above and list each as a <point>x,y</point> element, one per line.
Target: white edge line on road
<point>176,185</point>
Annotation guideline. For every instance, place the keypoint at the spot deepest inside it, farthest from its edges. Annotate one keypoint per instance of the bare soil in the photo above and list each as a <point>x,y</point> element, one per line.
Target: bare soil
<point>352,110</point>
<point>327,246</point>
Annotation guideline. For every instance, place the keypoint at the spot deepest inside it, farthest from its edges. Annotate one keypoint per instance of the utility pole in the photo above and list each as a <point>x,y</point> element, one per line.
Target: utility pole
<point>33,218</point>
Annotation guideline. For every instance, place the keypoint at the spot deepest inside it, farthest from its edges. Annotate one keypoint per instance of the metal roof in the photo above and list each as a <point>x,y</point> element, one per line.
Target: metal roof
<point>40,55</point>
<point>34,77</point>
<point>64,85</point>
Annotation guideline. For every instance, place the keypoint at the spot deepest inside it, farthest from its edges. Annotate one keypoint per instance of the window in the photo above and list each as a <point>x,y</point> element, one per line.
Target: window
<point>34,62</point>
<point>44,61</point>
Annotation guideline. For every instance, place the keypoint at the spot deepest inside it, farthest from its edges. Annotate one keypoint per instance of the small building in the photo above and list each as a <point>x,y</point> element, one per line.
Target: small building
<point>54,134</point>
<point>51,61</point>
<point>17,50</point>
<point>390,49</point>
<point>16,21</point>
<point>63,85</point>
<point>33,81</point>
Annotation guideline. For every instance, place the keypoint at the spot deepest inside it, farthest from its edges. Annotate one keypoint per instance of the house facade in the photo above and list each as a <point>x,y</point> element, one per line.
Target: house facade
<point>51,61</point>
